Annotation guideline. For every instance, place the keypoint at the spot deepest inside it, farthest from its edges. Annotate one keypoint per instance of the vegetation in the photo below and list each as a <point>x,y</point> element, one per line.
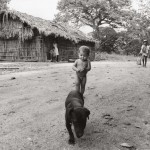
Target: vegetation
<point>3,4</point>
<point>92,13</point>
<point>96,14</point>
<point>102,56</point>
<point>107,37</point>
<point>114,13</point>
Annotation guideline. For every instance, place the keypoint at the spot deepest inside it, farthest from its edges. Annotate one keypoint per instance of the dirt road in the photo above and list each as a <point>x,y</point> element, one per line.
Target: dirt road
<point>117,94</point>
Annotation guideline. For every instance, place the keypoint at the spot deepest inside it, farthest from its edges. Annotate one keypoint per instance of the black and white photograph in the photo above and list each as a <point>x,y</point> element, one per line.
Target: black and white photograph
<point>74,74</point>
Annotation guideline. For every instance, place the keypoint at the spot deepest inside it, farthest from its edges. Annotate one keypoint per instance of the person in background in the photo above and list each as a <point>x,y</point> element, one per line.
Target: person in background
<point>52,54</point>
<point>144,52</point>
<point>56,50</point>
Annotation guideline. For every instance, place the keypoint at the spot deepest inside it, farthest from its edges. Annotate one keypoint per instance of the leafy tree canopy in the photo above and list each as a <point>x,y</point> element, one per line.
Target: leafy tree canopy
<point>107,36</point>
<point>3,4</point>
<point>93,12</point>
<point>140,23</point>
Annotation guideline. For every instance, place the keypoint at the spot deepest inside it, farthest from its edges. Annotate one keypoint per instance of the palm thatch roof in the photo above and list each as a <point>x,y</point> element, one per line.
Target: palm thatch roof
<point>44,27</point>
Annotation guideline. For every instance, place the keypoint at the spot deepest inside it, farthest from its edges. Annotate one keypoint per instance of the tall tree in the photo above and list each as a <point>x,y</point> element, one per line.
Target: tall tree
<point>93,13</point>
<point>141,20</point>
<point>3,4</point>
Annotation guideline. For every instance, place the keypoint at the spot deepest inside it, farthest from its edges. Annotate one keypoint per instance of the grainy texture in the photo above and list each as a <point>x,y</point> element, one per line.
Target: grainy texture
<point>32,107</point>
<point>28,38</point>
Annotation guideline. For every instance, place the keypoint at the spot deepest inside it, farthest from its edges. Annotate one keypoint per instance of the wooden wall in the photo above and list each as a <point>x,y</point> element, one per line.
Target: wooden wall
<point>38,49</point>
<point>31,49</point>
<point>67,49</point>
<point>9,49</point>
<point>16,50</point>
<point>14,47</point>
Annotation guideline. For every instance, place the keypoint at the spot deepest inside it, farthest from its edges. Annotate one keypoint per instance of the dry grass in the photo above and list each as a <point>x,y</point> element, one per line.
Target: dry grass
<point>44,27</point>
<point>113,57</point>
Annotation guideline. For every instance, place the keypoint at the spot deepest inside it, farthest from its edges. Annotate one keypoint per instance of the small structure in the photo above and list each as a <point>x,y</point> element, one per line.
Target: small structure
<point>27,38</point>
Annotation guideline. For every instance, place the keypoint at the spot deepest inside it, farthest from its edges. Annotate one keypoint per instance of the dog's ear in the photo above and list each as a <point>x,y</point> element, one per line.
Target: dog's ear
<point>87,112</point>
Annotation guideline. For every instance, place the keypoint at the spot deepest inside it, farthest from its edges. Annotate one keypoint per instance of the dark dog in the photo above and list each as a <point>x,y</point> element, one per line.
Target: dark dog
<point>76,114</point>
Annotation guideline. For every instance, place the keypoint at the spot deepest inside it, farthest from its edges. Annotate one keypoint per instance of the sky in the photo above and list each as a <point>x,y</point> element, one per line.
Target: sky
<point>39,8</point>
<point>135,4</point>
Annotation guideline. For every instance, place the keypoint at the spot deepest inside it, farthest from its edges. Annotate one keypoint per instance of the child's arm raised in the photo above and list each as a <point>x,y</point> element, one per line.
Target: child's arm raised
<point>74,67</point>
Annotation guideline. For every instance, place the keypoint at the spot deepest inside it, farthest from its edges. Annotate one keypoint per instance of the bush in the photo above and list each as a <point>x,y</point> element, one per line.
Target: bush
<point>107,37</point>
<point>103,56</point>
<point>127,44</point>
<point>133,47</point>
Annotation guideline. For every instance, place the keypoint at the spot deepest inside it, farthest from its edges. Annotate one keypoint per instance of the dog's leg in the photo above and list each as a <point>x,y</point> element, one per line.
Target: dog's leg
<point>71,136</point>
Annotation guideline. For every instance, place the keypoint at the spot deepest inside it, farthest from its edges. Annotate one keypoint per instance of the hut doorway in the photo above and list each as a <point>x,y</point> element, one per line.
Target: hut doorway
<point>49,56</point>
<point>48,47</point>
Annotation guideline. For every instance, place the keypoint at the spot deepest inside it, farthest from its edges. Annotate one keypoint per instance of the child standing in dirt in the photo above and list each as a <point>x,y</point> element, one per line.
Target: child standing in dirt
<point>144,52</point>
<point>82,66</point>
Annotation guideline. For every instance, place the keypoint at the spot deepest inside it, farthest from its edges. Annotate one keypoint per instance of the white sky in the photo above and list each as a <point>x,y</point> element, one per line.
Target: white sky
<point>135,4</point>
<point>39,8</point>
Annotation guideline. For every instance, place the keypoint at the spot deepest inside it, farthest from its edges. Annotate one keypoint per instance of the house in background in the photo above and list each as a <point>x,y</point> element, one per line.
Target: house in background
<point>27,38</point>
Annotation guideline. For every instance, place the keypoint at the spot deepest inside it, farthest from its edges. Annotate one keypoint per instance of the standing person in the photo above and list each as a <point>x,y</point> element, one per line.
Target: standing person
<point>144,52</point>
<point>56,50</point>
<point>52,55</point>
<point>82,66</point>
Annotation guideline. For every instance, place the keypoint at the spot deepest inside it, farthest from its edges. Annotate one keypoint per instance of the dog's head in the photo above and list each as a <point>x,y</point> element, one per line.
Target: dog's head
<point>79,117</point>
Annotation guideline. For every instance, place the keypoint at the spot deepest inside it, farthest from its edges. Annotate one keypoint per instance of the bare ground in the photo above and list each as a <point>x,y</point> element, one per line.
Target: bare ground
<point>32,106</point>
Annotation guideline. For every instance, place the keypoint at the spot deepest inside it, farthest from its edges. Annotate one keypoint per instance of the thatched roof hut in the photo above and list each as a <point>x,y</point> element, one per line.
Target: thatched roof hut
<point>23,27</point>
<point>44,27</point>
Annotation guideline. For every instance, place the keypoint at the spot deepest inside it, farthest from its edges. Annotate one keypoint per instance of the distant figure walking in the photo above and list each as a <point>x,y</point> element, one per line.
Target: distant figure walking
<point>144,52</point>
<point>56,50</point>
<point>82,66</point>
